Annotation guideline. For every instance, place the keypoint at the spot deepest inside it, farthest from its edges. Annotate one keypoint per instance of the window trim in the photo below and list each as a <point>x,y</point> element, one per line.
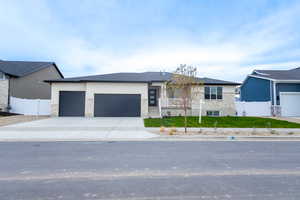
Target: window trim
<point>213,111</point>
<point>210,92</point>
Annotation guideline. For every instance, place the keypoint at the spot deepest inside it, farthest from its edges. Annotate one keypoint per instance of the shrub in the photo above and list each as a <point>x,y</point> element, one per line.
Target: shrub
<point>173,129</point>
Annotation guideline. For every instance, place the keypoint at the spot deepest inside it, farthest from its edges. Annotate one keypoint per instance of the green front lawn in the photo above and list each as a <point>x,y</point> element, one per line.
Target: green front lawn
<point>224,122</point>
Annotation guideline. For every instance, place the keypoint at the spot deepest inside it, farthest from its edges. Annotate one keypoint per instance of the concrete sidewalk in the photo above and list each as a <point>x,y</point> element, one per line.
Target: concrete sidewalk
<point>74,135</point>
<point>129,129</point>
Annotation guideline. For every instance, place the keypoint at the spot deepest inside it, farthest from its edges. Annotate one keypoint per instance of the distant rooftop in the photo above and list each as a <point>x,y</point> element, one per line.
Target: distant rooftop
<point>23,68</point>
<point>292,74</point>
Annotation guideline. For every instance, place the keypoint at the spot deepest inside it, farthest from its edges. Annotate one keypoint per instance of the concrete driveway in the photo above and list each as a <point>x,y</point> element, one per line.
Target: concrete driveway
<point>77,128</point>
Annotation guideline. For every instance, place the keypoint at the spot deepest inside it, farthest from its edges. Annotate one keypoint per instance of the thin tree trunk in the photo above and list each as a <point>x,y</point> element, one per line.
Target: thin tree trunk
<point>185,124</point>
<point>185,117</point>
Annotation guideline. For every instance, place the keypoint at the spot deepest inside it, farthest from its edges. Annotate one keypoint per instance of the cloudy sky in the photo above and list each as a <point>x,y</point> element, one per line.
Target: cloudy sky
<point>225,39</point>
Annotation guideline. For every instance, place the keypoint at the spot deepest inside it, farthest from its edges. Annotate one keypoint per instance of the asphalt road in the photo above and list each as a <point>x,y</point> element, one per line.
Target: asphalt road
<point>149,170</point>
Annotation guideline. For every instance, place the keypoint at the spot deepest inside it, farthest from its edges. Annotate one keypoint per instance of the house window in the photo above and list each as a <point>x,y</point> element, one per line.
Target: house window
<point>213,92</point>
<point>213,113</point>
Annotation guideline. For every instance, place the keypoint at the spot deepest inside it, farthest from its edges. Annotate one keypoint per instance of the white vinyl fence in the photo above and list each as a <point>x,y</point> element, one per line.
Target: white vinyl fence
<point>30,106</point>
<point>253,108</point>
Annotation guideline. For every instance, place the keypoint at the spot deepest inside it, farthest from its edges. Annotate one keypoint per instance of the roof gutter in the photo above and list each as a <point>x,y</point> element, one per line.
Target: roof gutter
<point>93,81</point>
<point>276,80</point>
<point>261,73</point>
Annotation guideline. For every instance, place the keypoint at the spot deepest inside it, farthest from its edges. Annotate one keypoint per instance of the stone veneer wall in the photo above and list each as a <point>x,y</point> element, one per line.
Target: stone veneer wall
<point>226,106</point>
<point>3,94</point>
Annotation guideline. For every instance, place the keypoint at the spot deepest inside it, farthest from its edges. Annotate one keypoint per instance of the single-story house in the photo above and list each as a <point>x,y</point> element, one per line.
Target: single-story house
<point>25,80</point>
<point>279,87</point>
<point>136,94</point>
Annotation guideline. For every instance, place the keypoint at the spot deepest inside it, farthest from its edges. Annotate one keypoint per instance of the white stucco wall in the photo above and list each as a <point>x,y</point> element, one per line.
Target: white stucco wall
<point>92,88</point>
<point>3,94</point>
<point>56,87</point>
<point>116,88</point>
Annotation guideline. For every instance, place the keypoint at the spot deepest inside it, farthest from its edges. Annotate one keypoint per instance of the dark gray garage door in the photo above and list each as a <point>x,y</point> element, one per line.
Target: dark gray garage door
<point>117,105</point>
<point>71,103</point>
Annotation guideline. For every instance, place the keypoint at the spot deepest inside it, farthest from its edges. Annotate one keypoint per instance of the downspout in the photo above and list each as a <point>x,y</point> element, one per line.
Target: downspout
<point>274,93</point>
<point>271,98</point>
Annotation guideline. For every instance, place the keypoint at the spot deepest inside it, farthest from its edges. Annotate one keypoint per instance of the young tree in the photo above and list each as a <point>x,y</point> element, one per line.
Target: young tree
<point>182,80</point>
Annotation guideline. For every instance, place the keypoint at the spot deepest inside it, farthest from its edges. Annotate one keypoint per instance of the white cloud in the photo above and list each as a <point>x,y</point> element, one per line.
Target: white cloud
<point>40,33</point>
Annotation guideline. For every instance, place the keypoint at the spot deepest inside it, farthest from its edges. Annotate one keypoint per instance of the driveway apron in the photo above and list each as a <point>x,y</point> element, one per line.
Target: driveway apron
<point>74,128</point>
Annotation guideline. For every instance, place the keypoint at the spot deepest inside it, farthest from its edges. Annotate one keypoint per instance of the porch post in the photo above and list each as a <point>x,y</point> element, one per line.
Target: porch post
<point>163,94</point>
<point>274,99</point>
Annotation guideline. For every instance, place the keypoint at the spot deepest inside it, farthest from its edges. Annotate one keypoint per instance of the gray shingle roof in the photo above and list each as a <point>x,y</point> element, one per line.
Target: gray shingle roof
<point>292,74</point>
<point>23,68</point>
<point>145,77</point>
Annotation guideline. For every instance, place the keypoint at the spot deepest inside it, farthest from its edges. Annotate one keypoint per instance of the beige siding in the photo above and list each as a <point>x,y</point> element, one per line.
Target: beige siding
<point>100,88</point>
<point>33,86</point>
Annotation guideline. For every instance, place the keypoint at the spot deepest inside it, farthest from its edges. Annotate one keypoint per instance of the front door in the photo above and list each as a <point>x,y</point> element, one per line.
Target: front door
<point>152,97</point>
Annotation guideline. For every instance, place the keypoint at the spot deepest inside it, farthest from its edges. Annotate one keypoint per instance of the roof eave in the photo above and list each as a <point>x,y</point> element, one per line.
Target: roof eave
<point>275,80</point>
<point>108,81</point>
<point>95,81</point>
<point>54,64</point>
<point>222,84</point>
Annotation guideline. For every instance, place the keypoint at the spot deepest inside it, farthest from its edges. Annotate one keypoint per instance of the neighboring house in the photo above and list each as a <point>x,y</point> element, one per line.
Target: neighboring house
<point>136,94</point>
<point>25,80</point>
<point>279,87</point>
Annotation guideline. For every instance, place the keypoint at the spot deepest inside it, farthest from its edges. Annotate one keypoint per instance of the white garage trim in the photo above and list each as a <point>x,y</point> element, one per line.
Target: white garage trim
<point>291,108</point>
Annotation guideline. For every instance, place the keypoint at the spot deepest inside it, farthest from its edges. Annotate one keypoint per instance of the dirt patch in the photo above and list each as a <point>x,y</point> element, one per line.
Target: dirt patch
<point>4,121</point>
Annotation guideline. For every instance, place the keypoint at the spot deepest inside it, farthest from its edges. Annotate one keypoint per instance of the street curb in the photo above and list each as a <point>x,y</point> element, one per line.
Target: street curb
<point>297,130</point>
<point>164,139</point>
